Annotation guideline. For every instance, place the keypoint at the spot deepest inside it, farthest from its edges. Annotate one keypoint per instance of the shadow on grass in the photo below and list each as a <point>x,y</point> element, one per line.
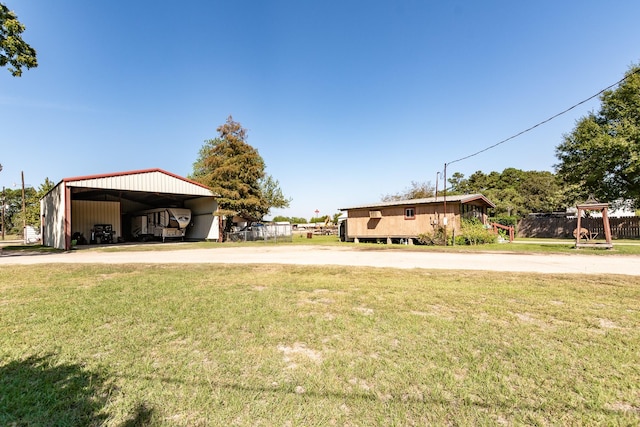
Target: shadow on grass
<point>38,391</point>
<point>28,250</point>
<point>140,418</point>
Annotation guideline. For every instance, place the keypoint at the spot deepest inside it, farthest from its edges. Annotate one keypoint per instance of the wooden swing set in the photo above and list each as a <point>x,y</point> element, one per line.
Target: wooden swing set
<point>582,234</point>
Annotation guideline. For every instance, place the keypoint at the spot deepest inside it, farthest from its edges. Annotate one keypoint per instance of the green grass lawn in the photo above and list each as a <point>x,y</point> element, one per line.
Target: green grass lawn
<point>315,346</point>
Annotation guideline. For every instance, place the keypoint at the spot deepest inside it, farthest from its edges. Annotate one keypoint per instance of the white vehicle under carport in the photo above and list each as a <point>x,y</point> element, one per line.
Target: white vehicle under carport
<point>163,223</point>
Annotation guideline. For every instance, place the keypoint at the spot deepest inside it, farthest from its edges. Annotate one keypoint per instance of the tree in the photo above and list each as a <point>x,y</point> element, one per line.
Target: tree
<point>417,190</point>
<point>12,199</point>
<point>32,202</point>
<point>272,193</point>
<point>291,220</point>
<point>458,183</point>
<point>282,218</point>
<point>318,219</point>
<point>514,192</point>
<point>13,216</point>
<point>235,171</point>
<point>541,192</point>
<point>601,156</point>
<point>14,52</point>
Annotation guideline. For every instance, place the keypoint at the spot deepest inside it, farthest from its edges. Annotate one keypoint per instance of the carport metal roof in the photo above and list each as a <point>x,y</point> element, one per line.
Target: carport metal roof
<point>149,186</point>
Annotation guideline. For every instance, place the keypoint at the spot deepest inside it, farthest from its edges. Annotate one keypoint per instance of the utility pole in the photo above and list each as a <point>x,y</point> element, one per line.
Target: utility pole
<point>444,220</point>
<point>3,199</point>
<point>24,212</point>
<point>3,204</point>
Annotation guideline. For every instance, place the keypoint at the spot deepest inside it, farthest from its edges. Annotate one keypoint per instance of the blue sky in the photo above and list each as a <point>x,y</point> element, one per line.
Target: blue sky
<point>345,100</point>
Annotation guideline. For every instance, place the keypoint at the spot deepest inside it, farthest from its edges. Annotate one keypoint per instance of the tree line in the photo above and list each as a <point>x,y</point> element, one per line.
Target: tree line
<point>514,192</point>
<point>14,217</point>
<point>333,219</point>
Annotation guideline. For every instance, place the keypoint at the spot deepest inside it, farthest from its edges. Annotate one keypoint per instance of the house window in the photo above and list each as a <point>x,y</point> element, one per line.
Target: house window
<point>409,213</point>
<point>472,211</point>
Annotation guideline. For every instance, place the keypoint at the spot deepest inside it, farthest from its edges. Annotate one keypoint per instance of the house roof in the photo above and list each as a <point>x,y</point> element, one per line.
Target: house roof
<point>464,198</point>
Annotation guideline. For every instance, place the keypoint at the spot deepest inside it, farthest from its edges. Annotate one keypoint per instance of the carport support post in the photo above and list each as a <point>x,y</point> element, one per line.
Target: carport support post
<point>67,217</point>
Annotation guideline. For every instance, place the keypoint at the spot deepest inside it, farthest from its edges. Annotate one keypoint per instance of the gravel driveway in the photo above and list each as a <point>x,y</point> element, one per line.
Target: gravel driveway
<point>351,256</point>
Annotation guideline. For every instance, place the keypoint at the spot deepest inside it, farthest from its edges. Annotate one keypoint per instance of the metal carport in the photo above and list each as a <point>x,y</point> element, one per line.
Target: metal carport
<point>76,203</point>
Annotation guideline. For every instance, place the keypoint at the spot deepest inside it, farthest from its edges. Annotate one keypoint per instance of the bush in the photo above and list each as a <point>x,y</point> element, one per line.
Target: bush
<point>434,238</point>
<point>473,232</point>
<point>460,240</point>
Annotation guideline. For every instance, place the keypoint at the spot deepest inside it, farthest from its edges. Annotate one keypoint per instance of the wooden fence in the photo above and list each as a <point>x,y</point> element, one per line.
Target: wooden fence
<point>561,227</point>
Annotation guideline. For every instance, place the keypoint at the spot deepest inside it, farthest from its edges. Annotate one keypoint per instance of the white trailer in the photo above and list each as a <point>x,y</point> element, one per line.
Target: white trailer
<point>160,223</point>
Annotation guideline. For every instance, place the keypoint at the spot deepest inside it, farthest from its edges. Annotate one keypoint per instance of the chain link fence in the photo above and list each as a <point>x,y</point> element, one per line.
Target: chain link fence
<point>262,233</point>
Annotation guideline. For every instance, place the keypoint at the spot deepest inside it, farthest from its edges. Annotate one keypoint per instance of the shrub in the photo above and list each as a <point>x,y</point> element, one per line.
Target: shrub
<point>473,232</point>
<point>434,238</point>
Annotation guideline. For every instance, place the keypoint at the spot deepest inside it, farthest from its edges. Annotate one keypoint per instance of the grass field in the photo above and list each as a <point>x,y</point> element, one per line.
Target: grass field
<point>315,346</point>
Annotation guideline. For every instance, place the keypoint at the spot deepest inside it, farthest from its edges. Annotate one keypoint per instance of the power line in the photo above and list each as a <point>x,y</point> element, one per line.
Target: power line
<point>545,121</point>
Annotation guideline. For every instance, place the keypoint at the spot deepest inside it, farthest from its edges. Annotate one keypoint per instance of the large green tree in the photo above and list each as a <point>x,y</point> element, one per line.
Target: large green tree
<point>13,219</point>
<point>14,51</point>
<point>601,156</point>
<point>235,171</point>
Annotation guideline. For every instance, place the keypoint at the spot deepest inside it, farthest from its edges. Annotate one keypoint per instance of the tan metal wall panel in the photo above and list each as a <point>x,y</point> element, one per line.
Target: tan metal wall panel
<point>202,205</point>
<point>148,181</point>
<point>52,207</point>
<point>205,227</point>
<point>86,213</point>
<point>204,223</point>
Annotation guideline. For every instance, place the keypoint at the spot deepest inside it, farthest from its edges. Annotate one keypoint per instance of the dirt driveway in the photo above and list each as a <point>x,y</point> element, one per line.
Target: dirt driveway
<point>349,256</point>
